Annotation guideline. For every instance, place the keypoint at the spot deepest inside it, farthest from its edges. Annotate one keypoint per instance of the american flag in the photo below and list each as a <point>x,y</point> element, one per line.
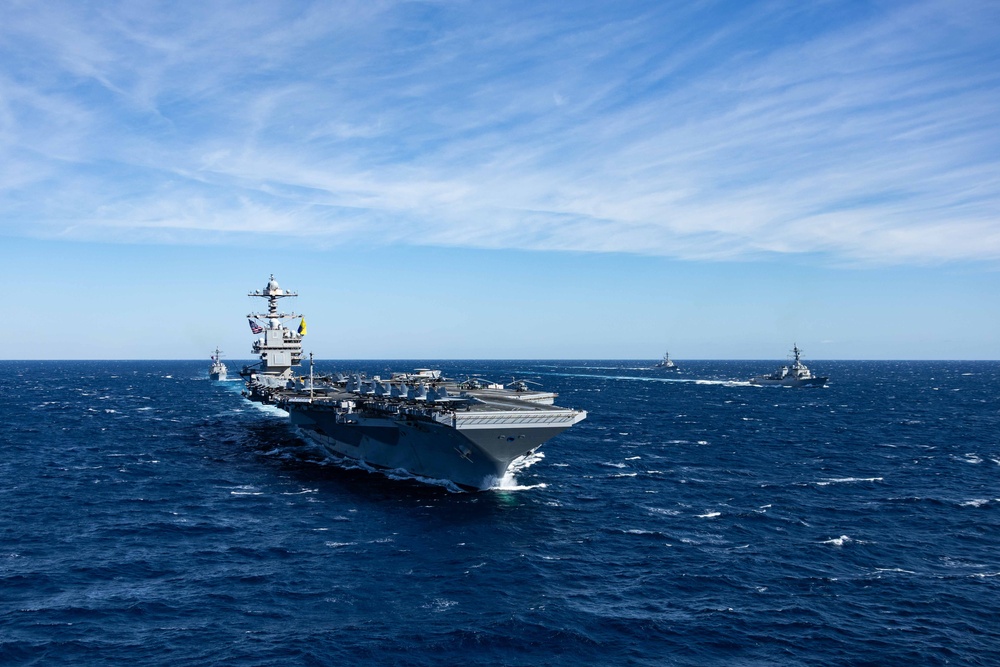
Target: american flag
<point>254,327</point>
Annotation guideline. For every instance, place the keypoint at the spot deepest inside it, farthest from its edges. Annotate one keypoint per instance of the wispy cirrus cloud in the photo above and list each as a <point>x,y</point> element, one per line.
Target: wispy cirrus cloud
<point>717,131</point>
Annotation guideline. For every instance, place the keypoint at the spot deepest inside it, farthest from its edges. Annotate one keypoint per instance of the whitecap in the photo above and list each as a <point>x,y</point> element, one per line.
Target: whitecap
<point>709,515</point>
<point>978,502</point>
<point>440,605</point>
<point>848,480</point>
<point>838,541</point>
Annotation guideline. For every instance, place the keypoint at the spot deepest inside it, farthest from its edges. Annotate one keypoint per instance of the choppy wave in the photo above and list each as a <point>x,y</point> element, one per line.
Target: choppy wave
<point>154,518</point>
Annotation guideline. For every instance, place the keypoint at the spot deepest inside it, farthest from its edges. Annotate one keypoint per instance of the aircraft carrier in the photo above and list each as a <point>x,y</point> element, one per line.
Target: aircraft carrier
<point>467,433</point>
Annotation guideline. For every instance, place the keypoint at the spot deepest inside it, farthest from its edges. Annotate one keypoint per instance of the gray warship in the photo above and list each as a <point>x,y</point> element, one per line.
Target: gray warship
<point>467,433</point>
<point>218,370</point>
<point>666,362</point>
<point>796,375</point>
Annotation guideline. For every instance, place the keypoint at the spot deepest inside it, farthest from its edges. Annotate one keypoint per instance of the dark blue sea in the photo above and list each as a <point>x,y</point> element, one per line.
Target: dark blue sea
<point>153,517</point>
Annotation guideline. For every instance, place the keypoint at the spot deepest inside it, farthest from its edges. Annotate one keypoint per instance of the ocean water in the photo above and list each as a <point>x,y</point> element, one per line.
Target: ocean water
<point>153,517</point>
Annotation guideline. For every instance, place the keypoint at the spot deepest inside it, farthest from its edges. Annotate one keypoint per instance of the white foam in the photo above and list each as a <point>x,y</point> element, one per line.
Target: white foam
<point>838,541</point>
<point>526,461</point>
<point>709,515</point>
<point>270,409</point>
<point>848,480</point>
<point>510,483</point>
<point>440,605</point>
<point>399,474</point>
<point>978,502</point>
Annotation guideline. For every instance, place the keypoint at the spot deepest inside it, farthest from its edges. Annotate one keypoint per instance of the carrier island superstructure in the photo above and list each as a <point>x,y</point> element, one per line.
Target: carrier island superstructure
<point>465,432</point>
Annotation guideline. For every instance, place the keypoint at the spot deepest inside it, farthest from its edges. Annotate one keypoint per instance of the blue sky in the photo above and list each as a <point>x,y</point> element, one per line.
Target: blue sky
<point>455,179</point>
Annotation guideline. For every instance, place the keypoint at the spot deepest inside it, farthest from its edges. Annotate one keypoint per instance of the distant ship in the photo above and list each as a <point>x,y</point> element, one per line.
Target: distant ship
<point>217,371</point>
<point>467,433</point>
<point>666,362</point>
<point>796,375</point>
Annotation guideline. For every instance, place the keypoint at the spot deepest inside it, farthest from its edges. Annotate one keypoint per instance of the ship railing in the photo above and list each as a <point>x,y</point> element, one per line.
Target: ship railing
<point>520,418</point>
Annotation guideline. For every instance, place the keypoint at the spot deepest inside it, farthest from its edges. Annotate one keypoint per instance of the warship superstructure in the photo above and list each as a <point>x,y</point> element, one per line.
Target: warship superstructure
<point>796,375</point>
<point>468,433</point>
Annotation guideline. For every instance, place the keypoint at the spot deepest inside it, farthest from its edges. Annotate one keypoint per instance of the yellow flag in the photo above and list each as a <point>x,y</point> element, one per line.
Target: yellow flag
<point>302,327</point>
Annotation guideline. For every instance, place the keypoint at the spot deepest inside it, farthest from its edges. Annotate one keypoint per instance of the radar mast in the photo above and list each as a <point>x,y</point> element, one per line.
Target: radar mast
<point>279,348</point>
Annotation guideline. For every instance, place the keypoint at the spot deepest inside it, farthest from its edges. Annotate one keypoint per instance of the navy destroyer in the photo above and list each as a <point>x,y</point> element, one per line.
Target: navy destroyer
<point>218,370</point>
<point>666,362</point>
<point>796,375</point>
<point>468,433</point>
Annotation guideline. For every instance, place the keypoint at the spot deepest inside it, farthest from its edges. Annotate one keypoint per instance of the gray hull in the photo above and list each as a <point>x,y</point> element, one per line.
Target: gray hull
<point>474,456</point>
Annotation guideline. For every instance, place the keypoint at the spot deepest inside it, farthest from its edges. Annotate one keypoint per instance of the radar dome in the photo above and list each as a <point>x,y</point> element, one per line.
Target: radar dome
<point>272,286</point>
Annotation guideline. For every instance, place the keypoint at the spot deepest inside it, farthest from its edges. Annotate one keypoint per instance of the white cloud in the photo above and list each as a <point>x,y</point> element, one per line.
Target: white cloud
<point>694,135</point>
